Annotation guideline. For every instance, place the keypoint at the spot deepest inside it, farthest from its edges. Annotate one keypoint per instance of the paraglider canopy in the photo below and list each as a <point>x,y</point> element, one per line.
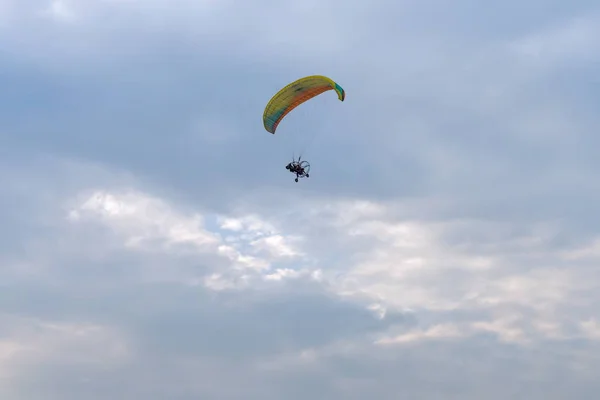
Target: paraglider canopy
<point>295,94</point>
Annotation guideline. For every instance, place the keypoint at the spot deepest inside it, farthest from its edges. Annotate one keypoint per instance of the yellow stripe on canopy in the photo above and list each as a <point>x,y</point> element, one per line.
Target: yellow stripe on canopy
<point>295,94</point>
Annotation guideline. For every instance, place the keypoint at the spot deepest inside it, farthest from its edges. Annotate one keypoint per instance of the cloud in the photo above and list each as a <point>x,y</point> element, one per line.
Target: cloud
<point>152,245</point>
<point>405,282</point>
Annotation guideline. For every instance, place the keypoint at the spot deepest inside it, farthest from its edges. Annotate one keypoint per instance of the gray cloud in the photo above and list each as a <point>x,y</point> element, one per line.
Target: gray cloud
<point>444,246</point>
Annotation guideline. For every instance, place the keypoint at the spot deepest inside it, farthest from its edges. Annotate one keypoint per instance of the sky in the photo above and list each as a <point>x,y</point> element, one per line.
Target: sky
<point>152,244</point>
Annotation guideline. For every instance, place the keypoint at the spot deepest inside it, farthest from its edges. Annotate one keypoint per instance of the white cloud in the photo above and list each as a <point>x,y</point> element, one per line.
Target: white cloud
<point>398,265</point>
<point>282,274</point>
<point>142,220</point>
<point>589,251</point>
<point>36,342</point>
<point>149,224</point>
<point>591,328</point>
<point>446,331</point>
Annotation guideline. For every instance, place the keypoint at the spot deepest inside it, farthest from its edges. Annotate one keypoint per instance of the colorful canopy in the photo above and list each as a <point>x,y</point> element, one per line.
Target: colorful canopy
<point>295,94</point>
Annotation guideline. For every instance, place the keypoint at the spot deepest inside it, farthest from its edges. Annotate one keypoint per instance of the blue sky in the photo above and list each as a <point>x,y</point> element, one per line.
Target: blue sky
<point>153,246</point>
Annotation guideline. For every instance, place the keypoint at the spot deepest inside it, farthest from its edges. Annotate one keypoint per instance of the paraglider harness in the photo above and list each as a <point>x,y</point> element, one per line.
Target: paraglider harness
<point>298,167</point>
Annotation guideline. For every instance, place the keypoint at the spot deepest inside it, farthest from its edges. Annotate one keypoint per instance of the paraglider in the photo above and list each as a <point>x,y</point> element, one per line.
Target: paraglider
<point>290,97</point>
<point>300,168</point>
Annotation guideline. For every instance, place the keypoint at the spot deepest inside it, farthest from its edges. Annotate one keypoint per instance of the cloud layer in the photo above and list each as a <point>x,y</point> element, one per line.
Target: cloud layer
<point>153,246</point>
